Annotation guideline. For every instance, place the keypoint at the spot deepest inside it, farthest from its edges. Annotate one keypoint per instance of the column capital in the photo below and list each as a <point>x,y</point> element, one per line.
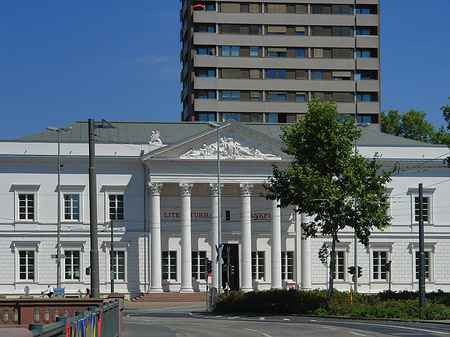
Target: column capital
<point>186,189</point>
<point>155,188</point>
<point>246,189</point>
<point>215,189</point>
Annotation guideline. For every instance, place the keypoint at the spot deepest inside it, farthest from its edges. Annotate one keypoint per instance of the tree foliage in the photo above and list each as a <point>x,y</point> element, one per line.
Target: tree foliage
<point>414,125</point>
<point>334,186</point>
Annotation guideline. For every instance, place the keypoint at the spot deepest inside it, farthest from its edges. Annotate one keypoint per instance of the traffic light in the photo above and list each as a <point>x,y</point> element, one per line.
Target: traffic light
<point>232,269</point>
<point>359,271</point>
<point>352,270</point>
<point>209,266</point>
<point>225,267</point>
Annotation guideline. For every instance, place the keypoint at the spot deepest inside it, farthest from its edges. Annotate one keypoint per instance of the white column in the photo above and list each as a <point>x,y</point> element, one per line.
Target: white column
<point>156,277</point>
<point>214,234</point>
<point>246,239</point>
<point>306,259</point>
<point>276,246</point>
<point>186,243</point>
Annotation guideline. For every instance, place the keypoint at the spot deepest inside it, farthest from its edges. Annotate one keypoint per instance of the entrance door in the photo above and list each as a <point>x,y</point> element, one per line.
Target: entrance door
<point>230,267</point>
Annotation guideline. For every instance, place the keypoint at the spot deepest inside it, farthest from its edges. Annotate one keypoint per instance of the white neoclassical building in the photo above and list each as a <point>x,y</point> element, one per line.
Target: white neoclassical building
<point>158,183</point>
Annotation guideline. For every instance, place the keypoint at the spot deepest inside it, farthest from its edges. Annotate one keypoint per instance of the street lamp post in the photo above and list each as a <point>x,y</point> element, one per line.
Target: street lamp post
<point>58,226</point>
<point>219,208</point>
<point>95,282</point>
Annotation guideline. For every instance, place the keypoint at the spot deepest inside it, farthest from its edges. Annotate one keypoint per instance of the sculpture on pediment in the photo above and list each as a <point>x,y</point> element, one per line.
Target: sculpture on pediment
<point>228,148</point>
<point>154,139</point>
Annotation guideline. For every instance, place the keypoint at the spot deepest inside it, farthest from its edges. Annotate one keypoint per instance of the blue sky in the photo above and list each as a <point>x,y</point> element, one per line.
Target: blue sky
<point>63,61</point>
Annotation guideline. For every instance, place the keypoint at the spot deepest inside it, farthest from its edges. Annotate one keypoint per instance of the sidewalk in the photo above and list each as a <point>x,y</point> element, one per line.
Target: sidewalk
<point>158,305</point>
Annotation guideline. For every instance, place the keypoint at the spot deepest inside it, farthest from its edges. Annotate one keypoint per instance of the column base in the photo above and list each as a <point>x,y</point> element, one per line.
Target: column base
<point>246,290</point>
<point>156,290</point>
<point>186,290</point>
<point>276,287</point>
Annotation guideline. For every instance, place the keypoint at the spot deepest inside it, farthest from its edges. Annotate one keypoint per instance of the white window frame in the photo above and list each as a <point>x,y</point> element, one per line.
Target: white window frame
<point>257,266</point>
<point>388,201</point>
<point>121,246</point>
<point>427,193</point>
<point>169,252</point>
<point>340,247</point>
<point>379,247</point>
<point>429,247</point>
<point>26,189</point>
<point>114,190</point>
<point>72,190</point>
<point>197,262</point>
<point>285,265</point>
<point>19,246</point>
<point>73,246</point>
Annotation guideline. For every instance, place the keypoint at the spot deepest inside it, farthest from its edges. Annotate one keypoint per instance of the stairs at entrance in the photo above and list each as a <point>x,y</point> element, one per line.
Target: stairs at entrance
<point>172,297</point>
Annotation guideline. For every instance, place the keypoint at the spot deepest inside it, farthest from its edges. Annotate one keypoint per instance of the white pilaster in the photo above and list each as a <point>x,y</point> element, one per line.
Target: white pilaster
<point>186,243</point>
<point>214,234</point>
<point>246,239</point>
<point>156,277</point>
<point>276,246</point>
<point>306,259</point>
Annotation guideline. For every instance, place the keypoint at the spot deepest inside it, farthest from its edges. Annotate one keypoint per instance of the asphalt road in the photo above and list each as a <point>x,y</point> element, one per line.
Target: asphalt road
<point>184,322</point>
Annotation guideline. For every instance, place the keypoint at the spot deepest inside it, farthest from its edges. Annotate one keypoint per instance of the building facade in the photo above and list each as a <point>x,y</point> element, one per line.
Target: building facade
<point>158,183</point>
<point>256,61</point>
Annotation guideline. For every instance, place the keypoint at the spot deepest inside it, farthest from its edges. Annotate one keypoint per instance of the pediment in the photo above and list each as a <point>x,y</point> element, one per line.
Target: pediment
<point>237,142</point>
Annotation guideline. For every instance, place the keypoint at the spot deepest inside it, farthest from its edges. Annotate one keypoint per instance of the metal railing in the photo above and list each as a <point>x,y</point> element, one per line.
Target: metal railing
<point>102,320</point>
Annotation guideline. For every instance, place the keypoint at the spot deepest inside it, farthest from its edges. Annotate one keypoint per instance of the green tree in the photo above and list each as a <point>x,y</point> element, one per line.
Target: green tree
<point>391,123</point>
<point>327,180</point>
<point>446,113</point>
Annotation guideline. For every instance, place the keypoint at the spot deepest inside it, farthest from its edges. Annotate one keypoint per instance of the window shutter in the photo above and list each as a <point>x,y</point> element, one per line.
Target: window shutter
<point>277,49</point>
<point>300,9</point>
<point>231,73</point>
<point>230,7</point>
<point>276,29</point>
<point>318,53</point>
<point>300,29</point>
<point>276,8</point>
<point>254,8</point>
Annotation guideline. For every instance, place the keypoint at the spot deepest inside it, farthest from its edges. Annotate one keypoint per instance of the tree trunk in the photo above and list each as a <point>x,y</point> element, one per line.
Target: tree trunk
<point>332,266</point>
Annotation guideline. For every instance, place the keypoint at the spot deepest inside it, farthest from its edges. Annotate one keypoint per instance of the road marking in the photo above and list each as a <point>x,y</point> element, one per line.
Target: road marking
<point>314,320</point>
<point>262,318</point>
<point>357,334</point>
<point>256,331</point>
<point>286,319</point>
<point>327,327</point>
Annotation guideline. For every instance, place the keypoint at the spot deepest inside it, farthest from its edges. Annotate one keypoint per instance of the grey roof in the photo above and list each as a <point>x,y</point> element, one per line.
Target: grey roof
<point>174,132</point>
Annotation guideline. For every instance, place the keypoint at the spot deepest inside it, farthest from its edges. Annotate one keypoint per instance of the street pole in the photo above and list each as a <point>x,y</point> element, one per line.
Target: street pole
<point>219,213</point>
<point>112,257</point>
<point>58,228</point>
<point>95,291</point>
<point>356,121</point>
<point>421,251</point>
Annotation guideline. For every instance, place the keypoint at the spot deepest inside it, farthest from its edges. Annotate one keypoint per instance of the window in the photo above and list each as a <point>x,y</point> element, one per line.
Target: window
<point>366,53</point>
<point>26,207</point>
<point>198,265</point>
<point>255,96</point>
<point>72,207</point>
<point>300,97</point>
<point>299,52</point>
<point>116,207</point>
<point>26,265</point>
<point>426,204</point>
<point>367,97</point>
<point>276,52</point>
<point>277,97</point>
<point>272,117</point>
<point>231,29</point>
<point>227,116</point>
<point>205,51</point>
<point>276,30</point>
<point>258,265</point>
<point>287,265</point>
<point>254,30</point>
<point>231,51</point>
<point>206,117</point>
<point>227,215</point>
<point>205,72</point>
<point>203,28</point>
<point>364,119</point>
<point>340,266</point>
<point>427,265</point>
<point>72,265</point>
<point>230,7</point>
<point>205,94</point>
<point>276,74</point>
<point>254,51</point>
<point>340,9</point>
<point>300,30</point>
<point>119,265</point>
<point>317,75</point>
<point>366,75</point>
<point>169,265</point>
<point>379,260</point>
<point>231,96</point>
<point>366,31</point>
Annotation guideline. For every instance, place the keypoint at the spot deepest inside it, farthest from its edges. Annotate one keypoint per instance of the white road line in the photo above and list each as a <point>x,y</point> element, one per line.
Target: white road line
<point>286,319</point>
<point>256,331</point>
<point>262,318</point>
<point>357,334</point>
<point>327,327</point>
<point>314,320</point>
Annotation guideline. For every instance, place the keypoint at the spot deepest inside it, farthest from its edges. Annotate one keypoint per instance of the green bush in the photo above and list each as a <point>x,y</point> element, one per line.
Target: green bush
<point>401,305</point>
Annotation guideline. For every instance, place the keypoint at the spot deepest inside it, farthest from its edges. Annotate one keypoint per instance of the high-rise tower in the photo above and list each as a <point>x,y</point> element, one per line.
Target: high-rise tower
<point>262,61</point>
